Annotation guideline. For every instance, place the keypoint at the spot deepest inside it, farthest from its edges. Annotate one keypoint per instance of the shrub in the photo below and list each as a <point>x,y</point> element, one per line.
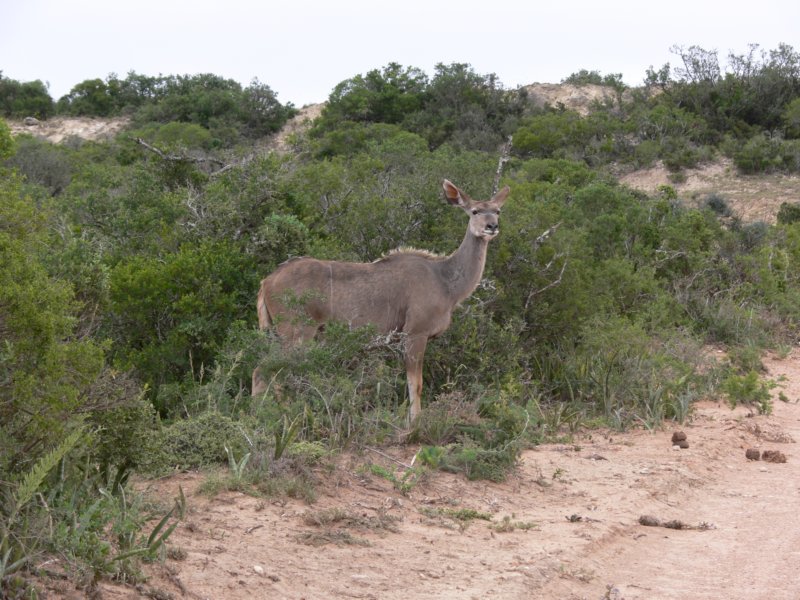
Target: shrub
<point>42,163</point>
<point>789,212</point>
<point>25,99</point>
<point>749,389</point>
<point>759,154</point>
<point>347,384</point>
<point>718,205</point>
<point>198,442</point>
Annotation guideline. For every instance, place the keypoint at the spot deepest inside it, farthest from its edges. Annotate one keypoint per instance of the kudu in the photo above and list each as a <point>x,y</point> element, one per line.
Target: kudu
<point>408,291</point>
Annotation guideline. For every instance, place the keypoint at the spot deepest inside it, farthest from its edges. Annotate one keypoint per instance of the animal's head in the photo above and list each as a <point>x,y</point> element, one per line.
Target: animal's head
<point>483,215</point>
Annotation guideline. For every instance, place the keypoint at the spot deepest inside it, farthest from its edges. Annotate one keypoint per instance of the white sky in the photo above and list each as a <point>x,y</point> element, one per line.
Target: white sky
<point>303,48</point>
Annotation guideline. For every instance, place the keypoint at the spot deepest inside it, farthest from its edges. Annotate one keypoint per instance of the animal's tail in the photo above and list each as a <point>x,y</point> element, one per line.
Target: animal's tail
<point>264,319</point>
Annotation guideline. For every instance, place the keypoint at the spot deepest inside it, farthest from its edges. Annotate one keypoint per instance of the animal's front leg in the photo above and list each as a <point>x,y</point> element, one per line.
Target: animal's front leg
<point>415,352</point>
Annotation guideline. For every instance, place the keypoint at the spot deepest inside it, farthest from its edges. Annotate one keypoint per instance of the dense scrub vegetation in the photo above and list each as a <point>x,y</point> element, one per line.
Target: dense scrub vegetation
<point>128,274</point>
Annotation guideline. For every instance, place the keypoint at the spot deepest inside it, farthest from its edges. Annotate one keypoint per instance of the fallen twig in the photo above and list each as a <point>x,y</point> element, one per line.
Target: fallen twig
<point>391,458</point>
<point>649,521</point>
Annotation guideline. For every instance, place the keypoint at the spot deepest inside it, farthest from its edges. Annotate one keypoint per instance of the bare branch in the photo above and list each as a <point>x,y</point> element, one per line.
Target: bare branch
<point>552,284</point>
<point>545,235</point>
<point>187,159</point>
<point>505,153</point>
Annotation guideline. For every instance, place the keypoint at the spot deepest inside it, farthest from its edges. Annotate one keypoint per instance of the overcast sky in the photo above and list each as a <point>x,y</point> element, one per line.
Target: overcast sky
<point>303,48</point>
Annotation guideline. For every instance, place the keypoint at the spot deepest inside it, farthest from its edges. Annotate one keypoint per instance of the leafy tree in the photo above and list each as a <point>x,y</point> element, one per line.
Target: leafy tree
<point>584,77</point>
<point>260,110</point>
<point>380,96</point>
<point>220,106</point>
<point>791,118</point>
<point>91,97</point>
<point>125,209</point>
<point>168,315</point>
<point>7,146</point>
<point>457,105</point>
<point>28,99</point>
<point>45,372</point>
<point>470,110</point>
<point>753,91</point>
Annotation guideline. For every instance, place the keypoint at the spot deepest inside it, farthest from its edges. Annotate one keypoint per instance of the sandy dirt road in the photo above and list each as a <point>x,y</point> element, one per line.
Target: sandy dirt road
<point>565,525</point>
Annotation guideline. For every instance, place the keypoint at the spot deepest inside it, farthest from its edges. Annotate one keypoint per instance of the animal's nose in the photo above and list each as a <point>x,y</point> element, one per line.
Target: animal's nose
<point>492,226</point>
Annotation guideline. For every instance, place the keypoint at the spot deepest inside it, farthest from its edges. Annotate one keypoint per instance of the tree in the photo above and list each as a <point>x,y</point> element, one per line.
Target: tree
<point>380,96</point>
<point>169,314</point>
<point>89,98</point>
<point>260,110</point>
<point>45,372</point>
<point>7,146</point>
<point>29,99</point>
<point>471,110</point>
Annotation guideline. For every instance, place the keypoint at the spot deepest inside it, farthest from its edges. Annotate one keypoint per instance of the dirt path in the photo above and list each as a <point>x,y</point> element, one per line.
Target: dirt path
<point>571,531</point>
<point>754,550</point>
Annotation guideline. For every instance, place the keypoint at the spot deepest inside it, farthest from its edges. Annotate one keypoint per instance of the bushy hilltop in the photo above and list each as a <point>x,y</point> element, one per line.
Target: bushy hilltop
<point>130,267</point>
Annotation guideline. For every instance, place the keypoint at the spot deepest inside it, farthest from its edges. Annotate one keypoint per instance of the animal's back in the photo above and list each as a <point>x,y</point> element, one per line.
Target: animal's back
<point>378,293</point>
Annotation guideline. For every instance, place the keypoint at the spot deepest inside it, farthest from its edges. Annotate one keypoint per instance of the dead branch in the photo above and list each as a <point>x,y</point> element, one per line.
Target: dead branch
<point>552,284</point>
<point>186,159</point>
<point>505,153</point>
<point>545,235</point>
<point>391,458</point>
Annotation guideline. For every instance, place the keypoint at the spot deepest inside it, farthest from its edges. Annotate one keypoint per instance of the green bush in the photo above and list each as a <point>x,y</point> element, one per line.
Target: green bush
<point>42,163</point>
<point>45,371</point>
<point>788,213</point>
<point>749,389</point>
<point>7,145</point>
<point>347,385</point>
<point>196,442</point>
<point>24,99</point>
<point>756,155</point>
<point>169,315</point>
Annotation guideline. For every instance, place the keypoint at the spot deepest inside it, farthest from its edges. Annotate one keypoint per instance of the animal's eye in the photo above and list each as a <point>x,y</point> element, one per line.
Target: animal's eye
<point>474,211</point>
<point>497,211</point>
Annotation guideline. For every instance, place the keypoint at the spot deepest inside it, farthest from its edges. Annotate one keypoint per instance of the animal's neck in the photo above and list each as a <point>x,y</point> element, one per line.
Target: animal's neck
<point>462,270</point>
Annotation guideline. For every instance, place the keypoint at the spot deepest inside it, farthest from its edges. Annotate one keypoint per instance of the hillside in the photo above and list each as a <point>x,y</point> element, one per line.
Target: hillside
<point>60,129</point>
<point>579,98</point>
<point>751,197</point>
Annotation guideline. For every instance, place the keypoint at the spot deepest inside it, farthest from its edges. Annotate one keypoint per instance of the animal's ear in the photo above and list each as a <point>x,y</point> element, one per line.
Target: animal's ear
<point>454,195</point>
<point>500,197</point>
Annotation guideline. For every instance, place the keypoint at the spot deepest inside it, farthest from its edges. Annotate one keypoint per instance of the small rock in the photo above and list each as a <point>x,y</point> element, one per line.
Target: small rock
<point>676,447</point>
<point>30,121</point>
<point>683,444</point>
<point>752,454</point>
<point>678,436</point>
<point>258,569</point>
<point>773,456</point>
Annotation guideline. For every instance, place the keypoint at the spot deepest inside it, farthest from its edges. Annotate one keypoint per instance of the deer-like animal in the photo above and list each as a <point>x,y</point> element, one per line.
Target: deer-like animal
<point>408,291</point>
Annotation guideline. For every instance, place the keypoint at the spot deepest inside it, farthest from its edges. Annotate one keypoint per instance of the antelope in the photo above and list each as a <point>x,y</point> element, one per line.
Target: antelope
<point>409,291</point>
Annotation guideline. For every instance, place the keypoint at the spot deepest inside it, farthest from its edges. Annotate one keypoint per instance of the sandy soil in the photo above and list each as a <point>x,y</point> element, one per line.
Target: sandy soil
<point>752,198</point>
<point>59,129</point>
<point>282,141</point>
<point>573,513</point>
<point>579,98</point>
